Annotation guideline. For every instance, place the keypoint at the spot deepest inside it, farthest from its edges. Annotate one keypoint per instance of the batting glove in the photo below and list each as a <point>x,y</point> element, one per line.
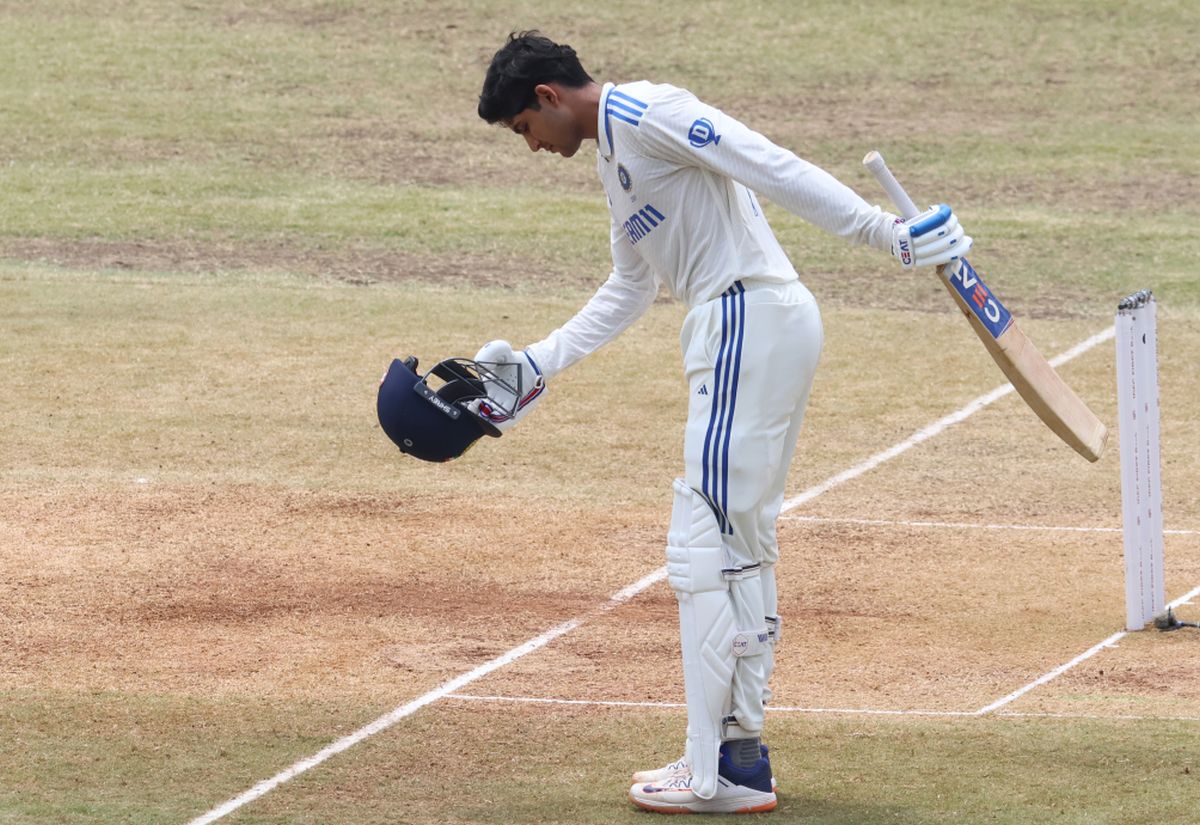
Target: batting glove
<point>930,239</point>
<point>520,385</point>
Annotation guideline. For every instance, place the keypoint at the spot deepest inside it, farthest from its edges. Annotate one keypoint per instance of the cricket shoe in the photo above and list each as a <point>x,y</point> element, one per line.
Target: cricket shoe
<point>680,765</point>
<point>738,791</point>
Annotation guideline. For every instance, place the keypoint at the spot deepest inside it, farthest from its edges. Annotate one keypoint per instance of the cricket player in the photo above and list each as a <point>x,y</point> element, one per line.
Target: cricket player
<point>683,181</point>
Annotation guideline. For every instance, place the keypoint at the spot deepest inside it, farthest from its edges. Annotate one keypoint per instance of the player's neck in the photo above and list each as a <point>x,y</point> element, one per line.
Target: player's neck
<point>586,107</point>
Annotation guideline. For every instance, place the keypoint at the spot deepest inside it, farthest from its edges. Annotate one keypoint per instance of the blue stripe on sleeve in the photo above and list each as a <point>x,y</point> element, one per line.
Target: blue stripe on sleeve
<point>610,112</point>
<point>628,102</point>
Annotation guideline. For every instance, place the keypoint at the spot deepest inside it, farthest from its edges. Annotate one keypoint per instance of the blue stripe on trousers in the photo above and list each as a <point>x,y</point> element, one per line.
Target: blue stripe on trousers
<point>715,479</point>
<point>737,368</point>
<point>712,419</point>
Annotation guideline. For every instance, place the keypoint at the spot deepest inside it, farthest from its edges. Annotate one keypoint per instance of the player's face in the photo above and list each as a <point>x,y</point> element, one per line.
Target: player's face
<point>551,126</point>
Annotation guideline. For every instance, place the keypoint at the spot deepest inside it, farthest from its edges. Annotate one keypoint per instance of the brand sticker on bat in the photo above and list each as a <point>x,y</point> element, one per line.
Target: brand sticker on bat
<point>980,299</point>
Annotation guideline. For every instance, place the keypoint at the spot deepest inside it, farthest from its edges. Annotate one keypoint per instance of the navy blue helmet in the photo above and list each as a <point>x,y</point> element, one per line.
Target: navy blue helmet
<point>440,422</point>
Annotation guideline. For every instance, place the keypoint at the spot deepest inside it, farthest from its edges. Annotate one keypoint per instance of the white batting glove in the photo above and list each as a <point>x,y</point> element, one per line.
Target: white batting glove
<point>520,385</point>
<point>932,238</point>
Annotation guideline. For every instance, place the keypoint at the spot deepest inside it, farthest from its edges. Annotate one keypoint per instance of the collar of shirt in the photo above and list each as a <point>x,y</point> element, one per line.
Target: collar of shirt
<point>603,127</point>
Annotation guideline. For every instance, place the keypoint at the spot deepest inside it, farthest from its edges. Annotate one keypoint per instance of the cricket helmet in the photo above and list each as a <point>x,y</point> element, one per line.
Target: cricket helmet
<point>439,415</point>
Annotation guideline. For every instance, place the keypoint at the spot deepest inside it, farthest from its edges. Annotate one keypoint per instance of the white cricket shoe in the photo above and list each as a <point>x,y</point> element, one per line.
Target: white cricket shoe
<point>679,766</point>
<point>738,791</point>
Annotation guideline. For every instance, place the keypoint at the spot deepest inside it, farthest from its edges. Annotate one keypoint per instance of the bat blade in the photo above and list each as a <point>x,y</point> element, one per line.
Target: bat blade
<point>1038,383</point>
<point>1043,389</point>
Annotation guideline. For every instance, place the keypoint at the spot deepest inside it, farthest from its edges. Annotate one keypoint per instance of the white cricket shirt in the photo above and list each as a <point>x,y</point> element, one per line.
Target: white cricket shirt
<point>681,178</point>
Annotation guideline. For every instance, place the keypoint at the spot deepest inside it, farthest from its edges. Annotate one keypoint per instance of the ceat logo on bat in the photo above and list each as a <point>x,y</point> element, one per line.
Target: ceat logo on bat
<point>986,306</point>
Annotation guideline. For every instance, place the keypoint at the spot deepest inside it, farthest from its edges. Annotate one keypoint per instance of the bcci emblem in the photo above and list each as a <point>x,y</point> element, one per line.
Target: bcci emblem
<point>623,177</point>
<point>703,133</point>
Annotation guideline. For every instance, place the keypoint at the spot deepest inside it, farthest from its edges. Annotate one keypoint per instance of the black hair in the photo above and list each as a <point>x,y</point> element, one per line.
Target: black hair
<point>527,60</point>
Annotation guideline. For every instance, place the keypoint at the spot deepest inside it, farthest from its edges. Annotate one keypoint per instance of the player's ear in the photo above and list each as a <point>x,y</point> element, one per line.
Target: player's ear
<point>547,94</point>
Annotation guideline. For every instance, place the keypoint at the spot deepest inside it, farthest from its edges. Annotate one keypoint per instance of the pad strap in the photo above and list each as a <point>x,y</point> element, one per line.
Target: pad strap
<point>752,641</point>
<point>774,628</point>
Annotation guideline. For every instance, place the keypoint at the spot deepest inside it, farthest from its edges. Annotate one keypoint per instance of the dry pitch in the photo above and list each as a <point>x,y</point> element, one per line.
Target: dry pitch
<point>212,564</point>
<point>211,632</point>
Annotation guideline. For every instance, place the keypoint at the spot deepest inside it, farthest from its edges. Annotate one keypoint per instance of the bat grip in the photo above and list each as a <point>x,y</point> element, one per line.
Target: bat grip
<point>874,162</point>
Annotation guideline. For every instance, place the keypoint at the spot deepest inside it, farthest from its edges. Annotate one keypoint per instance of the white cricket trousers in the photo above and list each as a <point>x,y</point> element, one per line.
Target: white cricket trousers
<point>749,356</point>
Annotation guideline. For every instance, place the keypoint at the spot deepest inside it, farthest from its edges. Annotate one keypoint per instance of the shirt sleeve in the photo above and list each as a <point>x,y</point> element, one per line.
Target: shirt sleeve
<point>688,132</point>
<point>621,300</point>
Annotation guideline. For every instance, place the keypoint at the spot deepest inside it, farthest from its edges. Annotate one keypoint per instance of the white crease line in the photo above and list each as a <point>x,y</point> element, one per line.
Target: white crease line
<point>1118,717</point>
<point>386,721</point>
<point>1008,714</point>
<point>537,700</point>
<point>963,525</point>
<point>1111,641</point>
<point>612,703</point>
<point>928,432</point>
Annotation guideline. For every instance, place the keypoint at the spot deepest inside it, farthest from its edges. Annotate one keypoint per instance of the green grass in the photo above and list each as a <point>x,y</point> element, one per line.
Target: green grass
<point>228,203</point>
<point>341,125</point>
<point>121,758</point>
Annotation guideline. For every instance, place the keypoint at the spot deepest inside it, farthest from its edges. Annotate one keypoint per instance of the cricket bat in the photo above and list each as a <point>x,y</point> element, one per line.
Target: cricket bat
<point>1042,388</point>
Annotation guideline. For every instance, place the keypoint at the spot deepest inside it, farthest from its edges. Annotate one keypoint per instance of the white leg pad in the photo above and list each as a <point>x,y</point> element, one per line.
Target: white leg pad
<point>706,629</point>
<point>717,601</point>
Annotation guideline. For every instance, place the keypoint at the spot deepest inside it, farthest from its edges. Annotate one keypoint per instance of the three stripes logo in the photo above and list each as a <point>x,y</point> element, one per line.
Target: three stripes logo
<point>715,476</point>
<point>625,108</point>
<point>621,106</point>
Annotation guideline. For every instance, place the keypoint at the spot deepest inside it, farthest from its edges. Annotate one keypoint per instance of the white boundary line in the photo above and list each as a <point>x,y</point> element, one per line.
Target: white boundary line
<point>963,525</point>
<point>1008,714</point>
<point>386,721</point>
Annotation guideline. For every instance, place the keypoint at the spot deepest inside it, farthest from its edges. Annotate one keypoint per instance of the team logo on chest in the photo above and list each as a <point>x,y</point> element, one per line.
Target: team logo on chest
<point>623,177</point>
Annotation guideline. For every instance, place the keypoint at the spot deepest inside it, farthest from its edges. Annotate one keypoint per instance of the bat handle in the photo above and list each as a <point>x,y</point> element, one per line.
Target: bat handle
<point>874,162</point>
